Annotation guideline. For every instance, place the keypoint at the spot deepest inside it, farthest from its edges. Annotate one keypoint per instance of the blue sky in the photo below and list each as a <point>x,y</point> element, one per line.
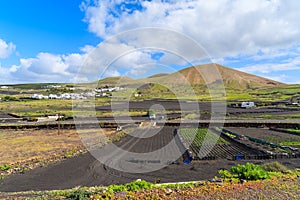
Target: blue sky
<point>53,26</point>
<point>50,40</point>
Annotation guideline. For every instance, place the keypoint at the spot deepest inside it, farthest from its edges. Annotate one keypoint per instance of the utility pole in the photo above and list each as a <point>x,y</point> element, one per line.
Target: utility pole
<point>58,122</point>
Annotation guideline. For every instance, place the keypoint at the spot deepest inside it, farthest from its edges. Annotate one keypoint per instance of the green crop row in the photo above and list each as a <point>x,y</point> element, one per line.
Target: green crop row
<point>196,136</point>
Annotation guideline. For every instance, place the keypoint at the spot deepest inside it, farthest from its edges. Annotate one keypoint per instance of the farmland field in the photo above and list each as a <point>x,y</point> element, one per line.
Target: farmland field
<point>275,137</point>
<point>35,108</point>
<point>86,170</point>
<point>196,137</point>
<point>207,144</point>
<point>22,145</point>
<point>30,148</point>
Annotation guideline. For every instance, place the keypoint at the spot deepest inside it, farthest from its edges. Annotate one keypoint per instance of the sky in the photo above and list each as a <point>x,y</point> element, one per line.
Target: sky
<point>84,40</point>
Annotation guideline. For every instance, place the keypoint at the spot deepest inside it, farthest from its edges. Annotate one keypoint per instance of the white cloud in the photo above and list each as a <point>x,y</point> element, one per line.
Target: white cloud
<point>47,67</point>
<point>6,49</point>
<point>46,63</point>
<point>224,27</point>
<point>4,75</point>
<point>266,68</point>
<point>111,57</point>
<point>262,35</point>
<point>92,64</point>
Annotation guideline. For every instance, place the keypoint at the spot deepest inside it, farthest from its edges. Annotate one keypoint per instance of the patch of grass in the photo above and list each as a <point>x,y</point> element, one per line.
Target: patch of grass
<point>121,113</point>
<point>36,108</point>
<point>70,153</point>
<point>294,130</point>
<point>191,116</point>
<point>22,145</point>
<point>291,143</point>
<point>79,194</point>
<point>6,167</point>
<point>133,186</point>
<point>274,167</point>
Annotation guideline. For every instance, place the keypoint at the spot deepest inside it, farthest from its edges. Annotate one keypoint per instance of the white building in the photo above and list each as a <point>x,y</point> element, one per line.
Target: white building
<point>39,96</point>
<point>247,104</point>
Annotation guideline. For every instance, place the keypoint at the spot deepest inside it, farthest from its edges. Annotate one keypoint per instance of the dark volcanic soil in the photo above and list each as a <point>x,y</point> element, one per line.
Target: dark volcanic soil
<point>85,170</point>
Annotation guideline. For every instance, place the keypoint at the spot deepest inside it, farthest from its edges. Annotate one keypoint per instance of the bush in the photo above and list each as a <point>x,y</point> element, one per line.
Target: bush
<point>250,172</point>
<point>133,186</point>
<point>225,173</point>
<point>274,167</point>
<point>138,185</point>
<point>116,188</point>
<point>9,98</point>
<point>6,167</point>
<point>79,194</point>
<point>70,153</point>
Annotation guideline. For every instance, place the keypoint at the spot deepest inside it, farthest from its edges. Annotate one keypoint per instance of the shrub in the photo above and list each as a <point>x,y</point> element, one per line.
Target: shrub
<point>9,98</point>
<point>137,185</point>
<point>6,167</point>
<point>116,188</point>
<point>70,153</point>
<point>133,186</point>
<point>250,172</point>
<point>274,167</point>
<point>225,173</point>
<point>79,194</point>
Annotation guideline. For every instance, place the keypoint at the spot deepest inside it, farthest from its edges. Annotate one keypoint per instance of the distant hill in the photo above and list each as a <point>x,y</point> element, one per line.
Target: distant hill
<point>158,75</point>
<point>187,83</point>
<point>231,78</point>
<point>111,81</point>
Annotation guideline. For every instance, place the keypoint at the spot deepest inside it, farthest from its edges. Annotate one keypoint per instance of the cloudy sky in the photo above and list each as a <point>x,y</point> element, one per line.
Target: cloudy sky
<point>53,40</point>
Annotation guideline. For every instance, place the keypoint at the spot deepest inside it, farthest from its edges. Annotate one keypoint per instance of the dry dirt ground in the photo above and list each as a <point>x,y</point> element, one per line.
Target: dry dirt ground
<point>21,145</point>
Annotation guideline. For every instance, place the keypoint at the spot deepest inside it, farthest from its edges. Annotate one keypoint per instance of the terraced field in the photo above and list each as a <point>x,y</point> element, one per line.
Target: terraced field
<point>207,144</point>
<point>280,138</point>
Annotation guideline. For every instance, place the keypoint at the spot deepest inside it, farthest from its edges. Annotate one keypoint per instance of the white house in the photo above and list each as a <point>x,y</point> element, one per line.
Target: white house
<point>110,89</point>
<point>39,96</point>
<point>247,104</point>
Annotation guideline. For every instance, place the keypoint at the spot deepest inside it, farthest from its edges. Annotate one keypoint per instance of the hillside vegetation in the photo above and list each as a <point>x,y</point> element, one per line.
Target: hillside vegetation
<point>203,82</point>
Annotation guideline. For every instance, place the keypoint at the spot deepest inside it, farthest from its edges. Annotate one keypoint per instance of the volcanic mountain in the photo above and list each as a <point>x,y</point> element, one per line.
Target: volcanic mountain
<point>207,74</point>
<point>215,74</point>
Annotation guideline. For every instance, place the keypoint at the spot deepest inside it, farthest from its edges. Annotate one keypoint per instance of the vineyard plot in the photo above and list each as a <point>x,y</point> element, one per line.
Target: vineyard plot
<point>279,138</point>
<point>207,144</point>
